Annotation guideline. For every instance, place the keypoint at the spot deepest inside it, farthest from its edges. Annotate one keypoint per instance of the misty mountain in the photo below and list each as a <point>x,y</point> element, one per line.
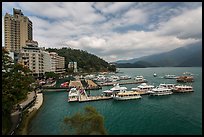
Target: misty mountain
<point>190,55</point>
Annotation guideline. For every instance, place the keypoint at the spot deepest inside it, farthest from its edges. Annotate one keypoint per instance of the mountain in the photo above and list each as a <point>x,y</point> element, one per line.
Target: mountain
<point>86,62</point>
<point>190,55</point>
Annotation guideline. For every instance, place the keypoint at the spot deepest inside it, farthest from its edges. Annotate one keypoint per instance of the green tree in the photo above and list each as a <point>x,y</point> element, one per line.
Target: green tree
<point>88,123</point>
<point>51,75</point>
<point>16,81</point>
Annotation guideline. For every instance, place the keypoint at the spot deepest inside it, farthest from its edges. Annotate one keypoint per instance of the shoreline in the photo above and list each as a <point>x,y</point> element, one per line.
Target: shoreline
<point>30,114</point>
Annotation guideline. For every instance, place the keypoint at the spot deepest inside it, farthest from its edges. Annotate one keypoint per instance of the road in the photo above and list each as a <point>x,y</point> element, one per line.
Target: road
<point>16,116</point>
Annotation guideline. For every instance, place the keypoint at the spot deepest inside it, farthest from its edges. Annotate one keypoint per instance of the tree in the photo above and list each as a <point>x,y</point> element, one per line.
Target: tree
<point>51,75</point>
<point>88,123</point>
<point>16,81</point>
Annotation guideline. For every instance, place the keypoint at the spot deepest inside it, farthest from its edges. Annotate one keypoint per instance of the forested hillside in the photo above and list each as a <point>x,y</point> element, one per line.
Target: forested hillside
<point>86,62</point>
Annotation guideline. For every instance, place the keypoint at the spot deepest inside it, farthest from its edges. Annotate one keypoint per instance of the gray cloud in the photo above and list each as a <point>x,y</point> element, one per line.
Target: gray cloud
<point>90,26</point>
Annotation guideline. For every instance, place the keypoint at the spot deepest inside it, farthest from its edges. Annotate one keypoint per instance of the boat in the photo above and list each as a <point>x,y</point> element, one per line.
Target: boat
<point>73,95</point>
<point>185,79</point>
<point>64,85</point>
<point>183,88</point>
<point>124,77</point>
<point>154,74</point>
<point>160,91</point>
<point>170,76</point>
<point>143,88</point>
<point>113,91</point>
<point>168,86</point>
<point>140,79</point>
<point>188,73</point>
<point>127,95</point>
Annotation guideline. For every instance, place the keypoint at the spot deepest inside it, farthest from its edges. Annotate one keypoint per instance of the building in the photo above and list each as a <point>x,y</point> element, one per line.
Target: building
<point>32,57</point>
<point>57,63</point>
<point>73,65</point>
<point>17,30</point>
<point>47,61</point>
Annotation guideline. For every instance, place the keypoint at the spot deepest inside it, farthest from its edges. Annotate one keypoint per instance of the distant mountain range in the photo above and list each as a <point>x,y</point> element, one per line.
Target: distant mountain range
<point>188,56</point>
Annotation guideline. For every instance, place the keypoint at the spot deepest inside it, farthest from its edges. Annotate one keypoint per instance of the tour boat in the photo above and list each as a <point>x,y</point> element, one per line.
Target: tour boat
<point>73,95</point>
<point>185,79</point>
<point>183,88</point>
<point>170,76</point>
<point>116,89</point>
<point>169,86</point>
<point>160,91</point>
<point>140,79</point>
<point>127,95</point>
<point>143,88</point>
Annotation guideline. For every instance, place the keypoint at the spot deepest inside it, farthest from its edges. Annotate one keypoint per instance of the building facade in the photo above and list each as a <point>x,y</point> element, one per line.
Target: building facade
<point>17,30</point>
<point>73,65</point>
<point>33,58</point>
<point>57,63</point>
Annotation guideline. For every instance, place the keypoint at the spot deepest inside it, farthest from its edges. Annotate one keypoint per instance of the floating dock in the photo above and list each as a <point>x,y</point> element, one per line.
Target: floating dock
<point>84,98</point>
<point>93,98</point>
<point>121,83</point>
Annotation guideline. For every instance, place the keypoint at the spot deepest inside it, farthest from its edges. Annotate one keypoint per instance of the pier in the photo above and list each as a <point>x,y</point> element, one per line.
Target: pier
<point>121,83</point>
<point>93,98</point>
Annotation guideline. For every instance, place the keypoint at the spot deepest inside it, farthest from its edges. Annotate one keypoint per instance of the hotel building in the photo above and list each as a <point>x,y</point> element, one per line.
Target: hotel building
<point>18,29</point>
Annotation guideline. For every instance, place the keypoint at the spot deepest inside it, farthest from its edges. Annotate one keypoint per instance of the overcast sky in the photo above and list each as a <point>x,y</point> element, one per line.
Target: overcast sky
<point>113,30</point>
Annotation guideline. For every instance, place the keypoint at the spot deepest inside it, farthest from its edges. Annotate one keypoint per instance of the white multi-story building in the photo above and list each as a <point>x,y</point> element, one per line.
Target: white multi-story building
<point>47,61</point>
<point>32,57</point>
<point>57,63</point>
<point>73,65</point>
<point>17,29</point>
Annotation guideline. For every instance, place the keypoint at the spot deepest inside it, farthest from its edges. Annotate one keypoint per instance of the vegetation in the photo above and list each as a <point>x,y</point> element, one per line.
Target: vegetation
<point>51,75</point>
<point>88,123</point>
<point>85,61</point>
<point>16,81</point>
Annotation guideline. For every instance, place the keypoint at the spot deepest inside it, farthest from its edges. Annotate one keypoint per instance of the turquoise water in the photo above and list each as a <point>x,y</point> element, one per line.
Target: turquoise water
<point>176,114</point>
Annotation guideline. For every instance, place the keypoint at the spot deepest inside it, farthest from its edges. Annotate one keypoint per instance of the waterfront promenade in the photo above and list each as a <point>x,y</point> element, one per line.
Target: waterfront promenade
<point>16,116</point>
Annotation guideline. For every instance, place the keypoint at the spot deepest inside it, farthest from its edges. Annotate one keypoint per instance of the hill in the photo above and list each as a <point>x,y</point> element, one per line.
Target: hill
<point>86,62</point>
<point>184,56</point>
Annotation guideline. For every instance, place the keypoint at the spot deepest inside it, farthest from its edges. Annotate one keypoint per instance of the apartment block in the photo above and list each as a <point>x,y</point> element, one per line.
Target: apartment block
<point>17,30</point>
<point>33,58</point>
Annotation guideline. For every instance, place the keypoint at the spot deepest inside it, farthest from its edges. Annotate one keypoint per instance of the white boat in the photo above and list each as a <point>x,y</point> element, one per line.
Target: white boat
<point>73,95</point>
<point>188,73</point>
<point>169,86</point>
<point>170,76</point>
<point>127,95</point>
<point>76,94</point>
<point>154,74</point>
<point>160,91</point>
<point>143,88</point>
<point>124,77</point>
<point>140,79</point>
<point>183,88</point>
<point>113,91</point>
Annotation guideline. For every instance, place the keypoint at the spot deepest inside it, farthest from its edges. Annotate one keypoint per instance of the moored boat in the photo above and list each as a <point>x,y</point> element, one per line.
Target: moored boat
<point>143,88</point>
<point>73,95</point>
<point>160,91</point>
<point>140,79</point>
<point>116,89</point>
<point>185,79</point>
<point>168,86</point>
<point>183,88</point>
<point>127,95</point>
<point>170,76</point>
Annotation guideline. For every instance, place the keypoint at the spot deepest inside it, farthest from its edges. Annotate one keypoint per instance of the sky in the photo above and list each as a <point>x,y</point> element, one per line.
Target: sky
<point>113,30</point>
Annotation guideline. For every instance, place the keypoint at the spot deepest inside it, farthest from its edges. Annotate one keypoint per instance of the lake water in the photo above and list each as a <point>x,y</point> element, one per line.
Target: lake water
<point>176,114</point>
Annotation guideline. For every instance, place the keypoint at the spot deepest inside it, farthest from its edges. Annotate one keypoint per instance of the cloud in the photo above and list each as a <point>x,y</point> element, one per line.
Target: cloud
<point>186,25</point>
<point>131,44</point>
<point>113,30</point>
